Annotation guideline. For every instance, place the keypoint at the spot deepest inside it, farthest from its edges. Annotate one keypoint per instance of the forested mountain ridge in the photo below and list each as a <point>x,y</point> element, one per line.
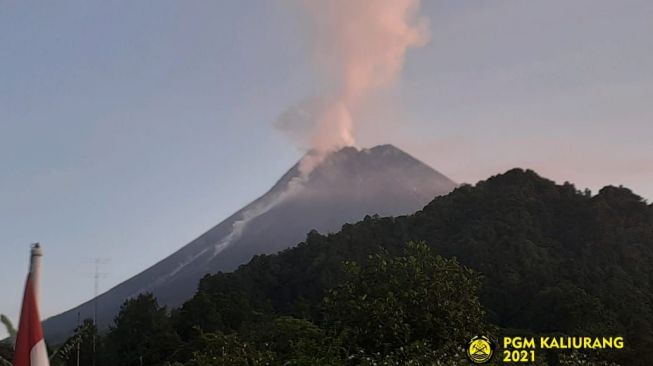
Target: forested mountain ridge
<point>553,259</point>
<point>544,245</point>
<point>514,254</point>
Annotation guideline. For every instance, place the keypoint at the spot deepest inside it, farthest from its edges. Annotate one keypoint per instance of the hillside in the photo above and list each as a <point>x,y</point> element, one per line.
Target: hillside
<point>347,185</point>
<point>553,259</point>
<point>515,254</point>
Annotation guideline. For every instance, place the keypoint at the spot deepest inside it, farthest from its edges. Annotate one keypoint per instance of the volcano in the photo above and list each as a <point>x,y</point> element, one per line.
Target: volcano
<point>345,187</point>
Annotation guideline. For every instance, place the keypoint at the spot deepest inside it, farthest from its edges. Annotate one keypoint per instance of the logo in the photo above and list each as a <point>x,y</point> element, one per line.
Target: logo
<point>480,349</point>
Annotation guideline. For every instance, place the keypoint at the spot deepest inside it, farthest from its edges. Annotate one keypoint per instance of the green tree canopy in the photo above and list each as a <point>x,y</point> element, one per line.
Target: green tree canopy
<point>393,303</point>
<point>142,331</point>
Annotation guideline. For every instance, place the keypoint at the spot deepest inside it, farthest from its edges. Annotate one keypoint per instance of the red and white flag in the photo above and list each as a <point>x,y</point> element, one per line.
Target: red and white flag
<point>30,345</point>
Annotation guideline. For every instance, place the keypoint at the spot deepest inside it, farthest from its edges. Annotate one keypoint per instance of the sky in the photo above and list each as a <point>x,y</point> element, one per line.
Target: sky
<point>127,129</point>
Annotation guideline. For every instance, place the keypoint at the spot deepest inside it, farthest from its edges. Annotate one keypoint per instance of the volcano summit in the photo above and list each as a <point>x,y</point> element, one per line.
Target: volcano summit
<point>347,185</point>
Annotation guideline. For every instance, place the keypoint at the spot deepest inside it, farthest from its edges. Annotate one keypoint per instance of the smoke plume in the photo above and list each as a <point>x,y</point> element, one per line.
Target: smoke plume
<point>359,47</point>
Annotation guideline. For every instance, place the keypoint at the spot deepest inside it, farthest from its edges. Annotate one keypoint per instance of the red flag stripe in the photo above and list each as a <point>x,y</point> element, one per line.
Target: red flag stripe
<point>30,350</point>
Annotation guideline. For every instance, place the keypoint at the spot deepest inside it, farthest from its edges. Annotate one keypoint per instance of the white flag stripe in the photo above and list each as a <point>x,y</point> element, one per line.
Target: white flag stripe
<point>39,355</point>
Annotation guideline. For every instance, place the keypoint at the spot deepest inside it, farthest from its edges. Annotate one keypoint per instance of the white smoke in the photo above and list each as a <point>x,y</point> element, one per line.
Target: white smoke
<point>360,46</point>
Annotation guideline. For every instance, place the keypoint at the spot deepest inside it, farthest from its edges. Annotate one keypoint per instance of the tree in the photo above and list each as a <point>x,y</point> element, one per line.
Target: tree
<point>405,307</point>
<point>142,333</point>
<point>7,346</point>
<point>218,349</point>
<point>6,353</point>
<point>293,341</point>
<point>82,341</point>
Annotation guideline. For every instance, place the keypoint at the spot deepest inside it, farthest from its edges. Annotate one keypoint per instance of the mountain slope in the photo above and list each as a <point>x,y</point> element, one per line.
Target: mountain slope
<point>345,187</point>
<point>554,260</point>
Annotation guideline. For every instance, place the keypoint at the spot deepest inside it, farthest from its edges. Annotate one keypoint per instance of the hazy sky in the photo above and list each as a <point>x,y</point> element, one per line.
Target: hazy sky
<point>129,128</point>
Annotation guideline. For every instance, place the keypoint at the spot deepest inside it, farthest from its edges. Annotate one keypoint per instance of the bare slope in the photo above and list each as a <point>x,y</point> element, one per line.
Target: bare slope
<point>345,187</point>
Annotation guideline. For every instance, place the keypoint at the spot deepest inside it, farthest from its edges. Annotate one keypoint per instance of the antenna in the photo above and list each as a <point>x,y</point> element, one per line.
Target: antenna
<point>96,276</point>
<point>98,261</point>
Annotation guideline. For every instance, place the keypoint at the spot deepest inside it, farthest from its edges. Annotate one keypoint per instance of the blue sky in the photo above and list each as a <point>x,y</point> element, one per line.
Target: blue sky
<point>129,128</point>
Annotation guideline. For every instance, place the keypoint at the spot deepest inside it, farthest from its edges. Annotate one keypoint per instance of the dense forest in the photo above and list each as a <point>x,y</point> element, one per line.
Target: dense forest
<point>515,254</point>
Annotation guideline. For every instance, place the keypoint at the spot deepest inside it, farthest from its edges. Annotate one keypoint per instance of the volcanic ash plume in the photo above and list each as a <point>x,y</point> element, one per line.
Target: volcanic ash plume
<point>360,47</point>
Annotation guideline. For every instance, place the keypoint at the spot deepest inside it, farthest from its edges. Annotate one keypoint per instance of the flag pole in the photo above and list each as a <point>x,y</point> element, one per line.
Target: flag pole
<point>30,347</point>
<point>35,269</point>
